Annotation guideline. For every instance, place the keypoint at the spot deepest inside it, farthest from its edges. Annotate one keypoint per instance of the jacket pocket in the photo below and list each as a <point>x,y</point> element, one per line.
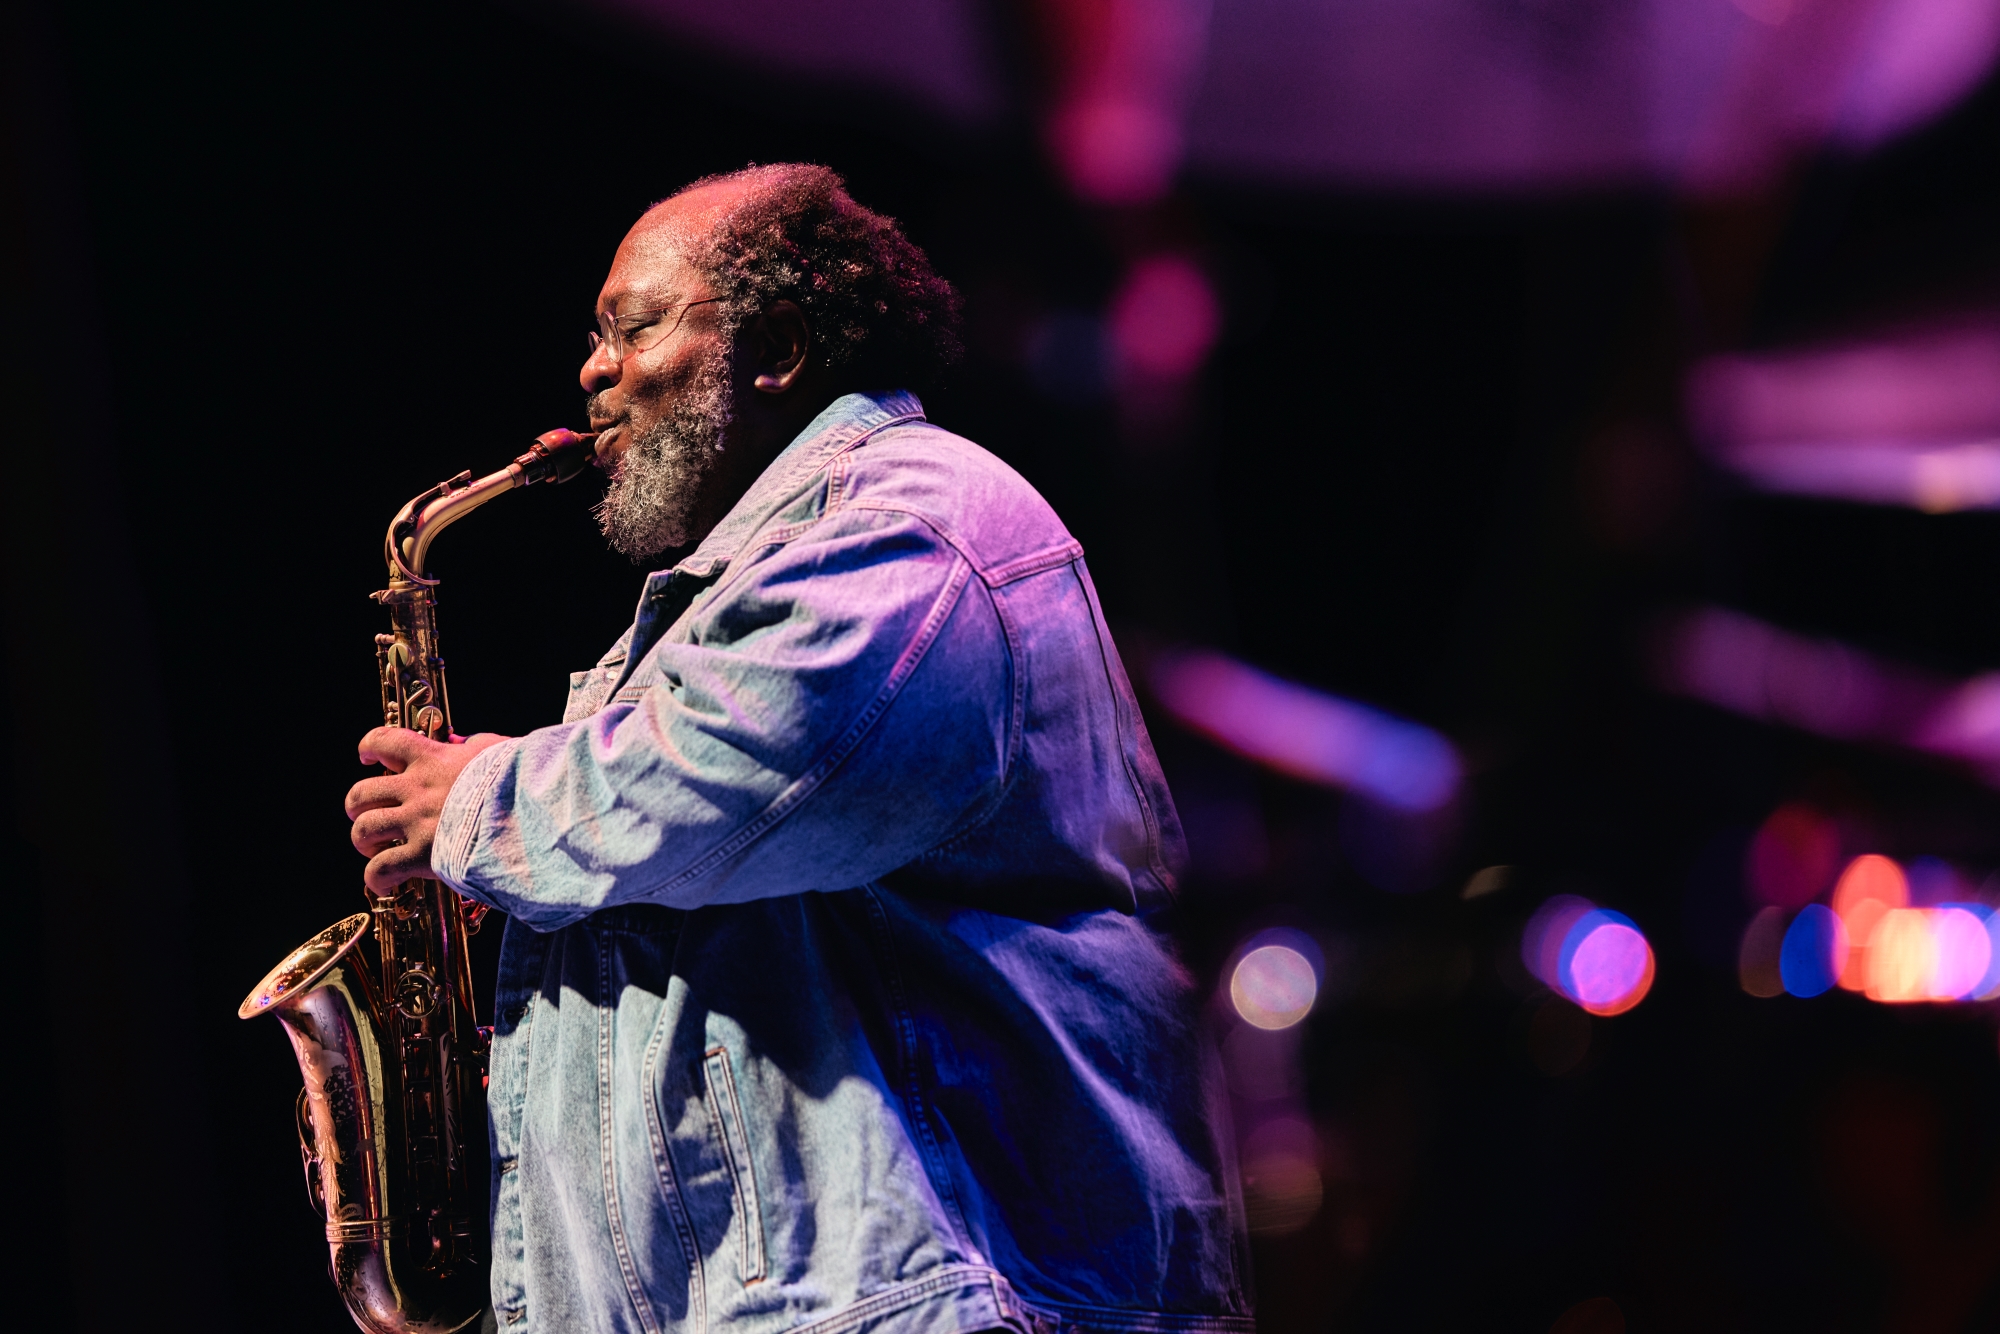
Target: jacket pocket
<point>727,1117</point>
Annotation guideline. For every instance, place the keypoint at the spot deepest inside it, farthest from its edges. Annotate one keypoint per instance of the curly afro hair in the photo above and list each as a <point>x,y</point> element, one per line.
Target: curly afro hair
<point>879,314</point>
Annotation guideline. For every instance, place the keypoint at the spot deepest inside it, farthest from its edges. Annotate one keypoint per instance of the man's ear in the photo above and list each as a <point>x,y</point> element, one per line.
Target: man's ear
<point>778,343</point>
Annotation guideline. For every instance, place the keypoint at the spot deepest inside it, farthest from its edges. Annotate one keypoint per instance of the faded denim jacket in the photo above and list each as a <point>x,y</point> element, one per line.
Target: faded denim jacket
<point>826,1003</point>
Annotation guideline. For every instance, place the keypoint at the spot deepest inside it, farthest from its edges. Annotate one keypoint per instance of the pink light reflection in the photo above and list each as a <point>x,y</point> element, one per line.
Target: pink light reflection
<point>1305,733</point>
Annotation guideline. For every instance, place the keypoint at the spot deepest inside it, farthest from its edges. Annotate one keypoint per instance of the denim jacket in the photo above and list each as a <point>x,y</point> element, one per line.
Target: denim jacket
<point>826,1003</point>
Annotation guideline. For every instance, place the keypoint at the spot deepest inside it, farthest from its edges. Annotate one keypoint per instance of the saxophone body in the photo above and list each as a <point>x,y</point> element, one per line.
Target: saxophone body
<point>392,1118</point>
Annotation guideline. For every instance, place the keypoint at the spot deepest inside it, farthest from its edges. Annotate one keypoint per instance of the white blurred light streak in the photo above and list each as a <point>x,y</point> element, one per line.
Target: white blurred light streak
<point>1304,732</point>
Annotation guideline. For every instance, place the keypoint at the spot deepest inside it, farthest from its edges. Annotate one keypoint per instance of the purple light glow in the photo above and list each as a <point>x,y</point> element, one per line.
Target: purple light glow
<point>1542,939</point>
<point>1939,480</point>
<point>1305,733</point>
<point>1446,94</point>
<point>1749,667</point>
<point>1460,93</point>
<point>1912,421</point>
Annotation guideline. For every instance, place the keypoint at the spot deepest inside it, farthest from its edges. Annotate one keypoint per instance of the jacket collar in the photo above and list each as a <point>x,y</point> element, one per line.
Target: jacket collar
<point>841,425</point>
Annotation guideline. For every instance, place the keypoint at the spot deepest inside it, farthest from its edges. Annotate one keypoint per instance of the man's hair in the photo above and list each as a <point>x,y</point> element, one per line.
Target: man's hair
<point>879,314</point>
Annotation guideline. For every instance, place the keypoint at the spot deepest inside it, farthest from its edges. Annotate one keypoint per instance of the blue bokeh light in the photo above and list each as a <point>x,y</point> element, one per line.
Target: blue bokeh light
<point>1814,951</point>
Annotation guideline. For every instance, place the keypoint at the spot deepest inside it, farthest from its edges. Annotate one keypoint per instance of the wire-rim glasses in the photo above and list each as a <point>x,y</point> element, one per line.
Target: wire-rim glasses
<point>641,329</point>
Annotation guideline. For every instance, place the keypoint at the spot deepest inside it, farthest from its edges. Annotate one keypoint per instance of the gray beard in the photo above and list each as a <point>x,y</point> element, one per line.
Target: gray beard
<point>663,474</point>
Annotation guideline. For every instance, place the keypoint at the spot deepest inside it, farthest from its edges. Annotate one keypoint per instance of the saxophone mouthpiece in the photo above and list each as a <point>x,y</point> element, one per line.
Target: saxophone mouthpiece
<point>557,456</point>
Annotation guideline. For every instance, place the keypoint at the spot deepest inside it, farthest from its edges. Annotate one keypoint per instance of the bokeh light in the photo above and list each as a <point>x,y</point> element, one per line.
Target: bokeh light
<point>1542,938</point>
<point>1795,853</point>
<point>1869,889</point>
<point>1901,957</point>
<point>1989,984</point>
<point>1814,951</point>
<point>1759,968</point>
<point>1273,986</point>
<point>1282,1186</point>
<point>1164,318</point>
<point>1597,958</point>
<point>1961,953</point>
<point>1607,965</point>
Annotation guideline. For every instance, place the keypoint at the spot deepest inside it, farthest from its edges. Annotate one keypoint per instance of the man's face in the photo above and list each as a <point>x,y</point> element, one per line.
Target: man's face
<point>663,412</point>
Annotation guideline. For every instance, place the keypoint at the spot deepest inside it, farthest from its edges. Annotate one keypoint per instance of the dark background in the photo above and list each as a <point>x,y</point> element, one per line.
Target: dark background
<point>271,270</point>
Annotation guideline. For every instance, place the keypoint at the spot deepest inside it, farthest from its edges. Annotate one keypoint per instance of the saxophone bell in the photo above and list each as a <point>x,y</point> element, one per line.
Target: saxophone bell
<point>392,1119</point>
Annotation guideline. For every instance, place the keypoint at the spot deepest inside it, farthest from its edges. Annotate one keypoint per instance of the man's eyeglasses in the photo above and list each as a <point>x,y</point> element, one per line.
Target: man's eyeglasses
<point>641,329</point>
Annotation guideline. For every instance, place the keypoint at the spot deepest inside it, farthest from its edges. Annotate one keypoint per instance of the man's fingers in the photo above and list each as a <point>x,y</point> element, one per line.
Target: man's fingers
<point>374,793</point>
<point>392,866</point>
<point>393,747</point>
<point>375,830</point>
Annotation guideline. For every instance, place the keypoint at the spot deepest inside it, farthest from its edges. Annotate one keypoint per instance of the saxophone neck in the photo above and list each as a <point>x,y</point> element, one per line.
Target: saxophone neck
<point>556,456</point>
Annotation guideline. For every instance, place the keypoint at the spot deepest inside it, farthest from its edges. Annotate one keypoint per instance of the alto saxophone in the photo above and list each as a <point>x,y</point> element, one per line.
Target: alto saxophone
<point>392,1118</point>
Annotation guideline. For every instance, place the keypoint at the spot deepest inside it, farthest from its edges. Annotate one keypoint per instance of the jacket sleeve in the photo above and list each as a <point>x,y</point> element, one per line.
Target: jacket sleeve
<point>835,708</point>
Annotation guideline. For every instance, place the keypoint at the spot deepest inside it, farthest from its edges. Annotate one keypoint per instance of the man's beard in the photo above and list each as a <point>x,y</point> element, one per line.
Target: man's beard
<point>663,475</point>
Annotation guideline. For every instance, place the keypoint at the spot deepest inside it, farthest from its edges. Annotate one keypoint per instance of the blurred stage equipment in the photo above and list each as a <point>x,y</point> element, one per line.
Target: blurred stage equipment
<point>392,1119</point>
<point>1455,95</point>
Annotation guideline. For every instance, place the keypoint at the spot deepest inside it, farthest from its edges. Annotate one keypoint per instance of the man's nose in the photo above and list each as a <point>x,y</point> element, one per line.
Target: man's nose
<point>599,371</point>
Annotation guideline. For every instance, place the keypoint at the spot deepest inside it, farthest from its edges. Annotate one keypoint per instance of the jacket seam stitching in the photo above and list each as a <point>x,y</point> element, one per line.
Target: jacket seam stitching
<point>728,1116</point>
<point>899,1298</point>
<point>668,1179</point>
<point>462,846</point>
<point>1049,558</point>
<point>804,787</point>
<point>1016,726</point>
<point>756,537</point>
<point>1128,730</point>
<point>517,1111</point>
<point>613,1210</point>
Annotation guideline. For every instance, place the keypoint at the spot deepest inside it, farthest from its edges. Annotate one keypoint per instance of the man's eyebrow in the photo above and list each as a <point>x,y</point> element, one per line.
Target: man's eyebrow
<point>630,302</point>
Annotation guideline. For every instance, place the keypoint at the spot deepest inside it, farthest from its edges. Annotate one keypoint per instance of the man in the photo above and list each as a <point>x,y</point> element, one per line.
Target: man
<point>824,1001</point>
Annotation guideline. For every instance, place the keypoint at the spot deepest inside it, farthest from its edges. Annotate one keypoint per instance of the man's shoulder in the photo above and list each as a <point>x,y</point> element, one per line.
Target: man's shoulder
<point>970,495</point>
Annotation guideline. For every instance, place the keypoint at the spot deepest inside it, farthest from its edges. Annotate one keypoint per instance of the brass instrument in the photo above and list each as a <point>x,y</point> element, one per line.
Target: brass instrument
<point>392,1119</point>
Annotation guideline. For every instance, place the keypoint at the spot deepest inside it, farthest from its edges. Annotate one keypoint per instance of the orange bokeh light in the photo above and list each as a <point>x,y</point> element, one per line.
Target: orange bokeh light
<point>1901,957</point>
<point>1870,889</point>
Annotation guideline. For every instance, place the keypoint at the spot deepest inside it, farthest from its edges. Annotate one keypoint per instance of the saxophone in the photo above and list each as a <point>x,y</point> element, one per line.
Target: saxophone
<point>392,1118</point>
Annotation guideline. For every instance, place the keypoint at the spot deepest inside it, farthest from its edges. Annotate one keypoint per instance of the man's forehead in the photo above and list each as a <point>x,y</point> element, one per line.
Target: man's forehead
<point>653,256</point>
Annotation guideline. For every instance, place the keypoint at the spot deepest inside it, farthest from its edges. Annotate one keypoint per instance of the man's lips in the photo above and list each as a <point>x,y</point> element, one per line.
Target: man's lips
<point>610,437</point>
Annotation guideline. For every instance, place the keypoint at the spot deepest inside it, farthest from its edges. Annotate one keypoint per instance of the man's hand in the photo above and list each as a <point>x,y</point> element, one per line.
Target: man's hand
<point>395,816</point>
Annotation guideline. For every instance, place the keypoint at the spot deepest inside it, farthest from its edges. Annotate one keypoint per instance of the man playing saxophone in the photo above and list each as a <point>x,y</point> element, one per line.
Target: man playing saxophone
<point>826,1000</point>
